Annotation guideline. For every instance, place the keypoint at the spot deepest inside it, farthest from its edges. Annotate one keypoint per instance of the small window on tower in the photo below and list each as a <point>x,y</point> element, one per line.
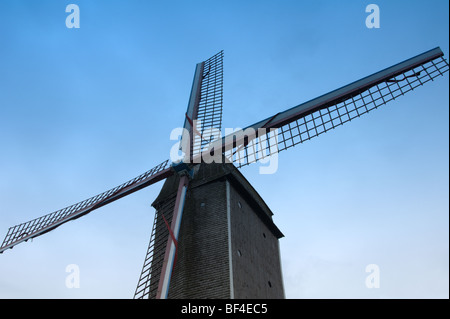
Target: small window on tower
<point>239,253</point>
<point>239,204</point>
<point>202,204</point>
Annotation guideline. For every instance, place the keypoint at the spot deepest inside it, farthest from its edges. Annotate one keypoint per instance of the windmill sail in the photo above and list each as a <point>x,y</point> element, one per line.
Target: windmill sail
<point>151,270</point>
<point>46,223</point>
<point>210,103</point>
<point>317,116</point>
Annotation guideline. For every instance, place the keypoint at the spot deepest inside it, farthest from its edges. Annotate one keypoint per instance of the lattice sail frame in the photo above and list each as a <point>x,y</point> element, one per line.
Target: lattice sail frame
<point>208,120</point>
<point>270,138</point>
<point>39,226</point>
<point>147,286</point>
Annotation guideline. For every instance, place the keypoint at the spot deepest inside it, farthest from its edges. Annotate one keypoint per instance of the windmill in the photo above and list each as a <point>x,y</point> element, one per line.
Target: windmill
<point>200,184</point>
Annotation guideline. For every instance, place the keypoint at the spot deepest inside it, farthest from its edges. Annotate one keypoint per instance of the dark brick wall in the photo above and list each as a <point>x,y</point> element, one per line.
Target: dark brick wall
<point>255,253</point>
<point>202,268</point>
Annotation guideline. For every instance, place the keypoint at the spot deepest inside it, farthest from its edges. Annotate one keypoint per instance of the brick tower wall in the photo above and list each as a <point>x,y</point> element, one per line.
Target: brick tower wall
<point>202,268</point>
<point>255,253</point>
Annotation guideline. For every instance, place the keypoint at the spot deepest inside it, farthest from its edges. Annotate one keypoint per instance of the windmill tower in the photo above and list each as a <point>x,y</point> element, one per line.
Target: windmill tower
<point>213,236</point>
<point>228,243</point>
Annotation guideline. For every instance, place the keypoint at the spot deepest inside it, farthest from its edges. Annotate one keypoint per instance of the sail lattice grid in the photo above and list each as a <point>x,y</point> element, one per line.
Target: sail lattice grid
<point>147,286</point>
<point>334,114</point>
<point>209,116</point>
<point>43,224</point>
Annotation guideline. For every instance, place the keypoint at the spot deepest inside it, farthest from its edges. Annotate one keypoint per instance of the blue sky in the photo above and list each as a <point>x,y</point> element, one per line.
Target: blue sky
<point>83,110</point>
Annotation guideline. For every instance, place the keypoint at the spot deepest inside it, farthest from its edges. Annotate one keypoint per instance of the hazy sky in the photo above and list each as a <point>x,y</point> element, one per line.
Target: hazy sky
<point>83,110</point>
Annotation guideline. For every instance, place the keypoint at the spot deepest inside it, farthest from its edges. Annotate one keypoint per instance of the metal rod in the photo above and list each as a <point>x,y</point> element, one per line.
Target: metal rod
<point>169,256</point>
